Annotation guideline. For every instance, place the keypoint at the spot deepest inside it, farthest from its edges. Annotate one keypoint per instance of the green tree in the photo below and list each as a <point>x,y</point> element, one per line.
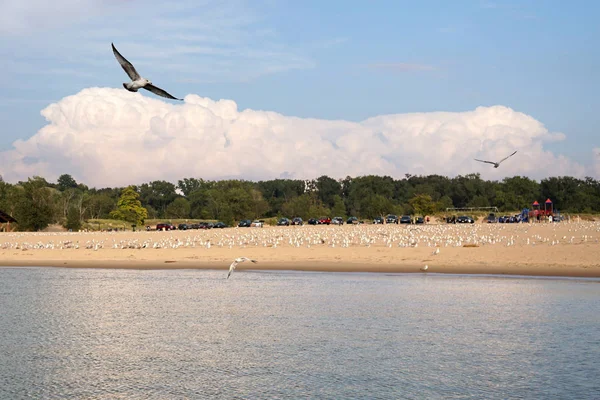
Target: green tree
<point>327,189</point>
<point>129,207</point>
<point>73,221</point>
<point>338,209</point>
<point>278,191</point>
<point>66,181</point>
<point>188,185</point>
<point>376,205</point>
<point>423,204</point>
<point>99,205</point>
<point>443,203</point>
<point>179,208</point>
<point>35,209</point>
<point>158,194</point>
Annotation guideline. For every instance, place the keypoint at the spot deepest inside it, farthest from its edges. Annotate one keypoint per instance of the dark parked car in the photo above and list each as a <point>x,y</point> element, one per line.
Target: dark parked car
<point>419,220</point>
<point>491,218</point>
<point>338,221</point>
<point>378,220</point>
<point>184,227</point>
<point>220,225</point>
<point>205,225</point>
<point>464,219</point>
<point>297,221</point>
<point>391,219</point>
<point>352,220</point>
<point>283,222</point>
<point>324,221</point>
<point>405,219</point>
<point>245,223</point>
<point>165,226</point>
<point>505,219</point>
<point>313,221</point>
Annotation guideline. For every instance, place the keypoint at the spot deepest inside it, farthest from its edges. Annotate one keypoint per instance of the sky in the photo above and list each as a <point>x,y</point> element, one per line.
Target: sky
<point>277,88</point>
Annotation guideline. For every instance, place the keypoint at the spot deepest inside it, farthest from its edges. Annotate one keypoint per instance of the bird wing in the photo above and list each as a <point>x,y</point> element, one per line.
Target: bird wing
<point>488,162</point>
<point>127,66</point>
<point>159,92</point>
<point>254,261</point>
<point>231,268</point>
<point>507,157</point>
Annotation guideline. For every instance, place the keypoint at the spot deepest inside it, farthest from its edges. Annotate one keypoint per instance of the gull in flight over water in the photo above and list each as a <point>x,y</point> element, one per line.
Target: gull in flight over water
<point>236,262</point>
<point>496,164</point>
<point>137,82</point>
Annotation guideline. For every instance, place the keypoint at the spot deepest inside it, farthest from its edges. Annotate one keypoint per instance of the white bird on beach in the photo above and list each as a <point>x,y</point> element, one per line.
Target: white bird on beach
<point>137,82</point>
<point>436,252</point>
<point>425,268</point>
<point>496,164</point>
<point>236,262</point>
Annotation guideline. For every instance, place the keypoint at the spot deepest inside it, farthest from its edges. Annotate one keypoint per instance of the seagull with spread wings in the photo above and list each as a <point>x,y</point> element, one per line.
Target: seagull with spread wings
<point>236,262</point>
<point>137,82</point>
<point>496,164</point>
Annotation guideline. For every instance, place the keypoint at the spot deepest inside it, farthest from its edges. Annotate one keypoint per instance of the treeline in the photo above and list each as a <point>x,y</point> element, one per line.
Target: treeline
<point>35,203</point>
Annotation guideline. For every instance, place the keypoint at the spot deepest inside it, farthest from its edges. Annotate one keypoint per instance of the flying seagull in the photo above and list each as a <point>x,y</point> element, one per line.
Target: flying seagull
<point>137,82</point>
<point>496,164</point>
<point>236,262</point>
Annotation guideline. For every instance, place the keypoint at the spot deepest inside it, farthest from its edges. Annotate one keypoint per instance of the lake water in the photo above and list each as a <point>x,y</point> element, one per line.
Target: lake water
<point>177,334</point>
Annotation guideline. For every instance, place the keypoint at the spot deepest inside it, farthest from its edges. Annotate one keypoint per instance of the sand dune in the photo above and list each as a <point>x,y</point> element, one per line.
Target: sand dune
<point>560,249</point>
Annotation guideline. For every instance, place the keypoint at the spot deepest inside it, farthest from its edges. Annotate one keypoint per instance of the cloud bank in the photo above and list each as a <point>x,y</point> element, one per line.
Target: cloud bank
<point>110,137</point>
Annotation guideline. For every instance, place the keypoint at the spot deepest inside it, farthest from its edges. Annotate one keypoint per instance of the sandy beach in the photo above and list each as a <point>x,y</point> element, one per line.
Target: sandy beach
<point>559,249</point>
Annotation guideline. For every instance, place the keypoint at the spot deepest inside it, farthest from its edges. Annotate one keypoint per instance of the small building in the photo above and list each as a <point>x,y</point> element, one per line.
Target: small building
<point>5,221</point>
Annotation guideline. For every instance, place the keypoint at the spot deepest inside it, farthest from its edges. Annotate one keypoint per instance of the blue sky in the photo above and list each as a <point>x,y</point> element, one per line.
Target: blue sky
<point>332,60</point>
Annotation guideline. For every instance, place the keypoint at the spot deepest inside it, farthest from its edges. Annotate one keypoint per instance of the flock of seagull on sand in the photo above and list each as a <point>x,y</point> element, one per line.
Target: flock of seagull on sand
<point>429,236</point>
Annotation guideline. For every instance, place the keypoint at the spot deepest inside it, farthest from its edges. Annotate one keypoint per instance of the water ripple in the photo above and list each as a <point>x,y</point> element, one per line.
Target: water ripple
<point>112,334</point>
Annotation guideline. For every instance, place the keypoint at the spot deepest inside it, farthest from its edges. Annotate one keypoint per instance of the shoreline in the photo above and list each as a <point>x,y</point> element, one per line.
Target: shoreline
<point>552,270</point>
<point>563,250</point>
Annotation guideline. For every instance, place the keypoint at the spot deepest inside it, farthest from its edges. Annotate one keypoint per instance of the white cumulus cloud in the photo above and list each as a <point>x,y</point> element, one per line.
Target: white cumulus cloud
<point>110,137</point>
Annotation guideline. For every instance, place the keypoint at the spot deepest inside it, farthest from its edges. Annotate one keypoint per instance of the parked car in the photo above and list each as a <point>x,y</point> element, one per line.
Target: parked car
<point>165,226</point>
<point>338,221</point>
<point>297,221</point>
<point>352,220</point>
<point>391,219</point>
<point>259,223</point>
<point>419,220</point>
<point>491,218</point>
<point>220,225</point>
<point>183,227</point>
<point>378,220</point>
<point>245,223</point>
<point>283,222</point>
<point>205,225</point>
<point>465,219</point>
<point>324,221</point>
<point>313,221</point>
<point>406,219</point>
<point>505,219</point>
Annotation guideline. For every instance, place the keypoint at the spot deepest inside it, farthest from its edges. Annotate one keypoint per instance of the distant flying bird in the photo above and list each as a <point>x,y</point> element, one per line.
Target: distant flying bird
<point>137,82</point>
<point>236,262</point>
<point>496,164</point>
